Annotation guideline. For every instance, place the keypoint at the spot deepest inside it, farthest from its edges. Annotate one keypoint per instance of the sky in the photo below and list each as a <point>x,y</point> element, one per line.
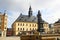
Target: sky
<point>50,9</point>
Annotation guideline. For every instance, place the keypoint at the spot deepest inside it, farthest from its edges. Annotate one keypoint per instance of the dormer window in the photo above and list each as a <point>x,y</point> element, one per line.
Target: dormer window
<point>21,17</point>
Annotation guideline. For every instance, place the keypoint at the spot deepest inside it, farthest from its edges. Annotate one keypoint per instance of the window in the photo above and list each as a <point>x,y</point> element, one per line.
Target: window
<point>33,28</point>
<point>30,29</point>
<point>35,25</point>
<point>26,24</point>
<point>21,17</point>
<point>18,29</point>
<point>0,27</point>
<point>18,24</point>
<point>23,29</point>
<point>0,20</point>
<point>30,25</point>
<point>23,24</point>
<point>5,27</point>
<point>27,29</point>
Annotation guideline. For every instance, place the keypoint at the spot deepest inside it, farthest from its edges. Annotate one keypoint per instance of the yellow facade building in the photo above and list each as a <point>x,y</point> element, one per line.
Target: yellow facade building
<point>3,24</point>
<point>56,27</point>
<point>27,23</point>
<point>24,26</point>
<point>46,27</point>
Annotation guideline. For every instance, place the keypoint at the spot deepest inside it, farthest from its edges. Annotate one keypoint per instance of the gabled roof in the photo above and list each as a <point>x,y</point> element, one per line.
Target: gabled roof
<point>26,18</point>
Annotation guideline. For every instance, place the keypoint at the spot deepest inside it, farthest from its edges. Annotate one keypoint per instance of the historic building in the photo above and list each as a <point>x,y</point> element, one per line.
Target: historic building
<point>3,24</point>
<point>27,23</point>
<point>51,26</point>
<point>56,28</point>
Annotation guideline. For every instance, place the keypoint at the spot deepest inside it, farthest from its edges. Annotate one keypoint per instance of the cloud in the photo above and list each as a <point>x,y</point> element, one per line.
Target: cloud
<point>49,9</point>
<point>12,17</point>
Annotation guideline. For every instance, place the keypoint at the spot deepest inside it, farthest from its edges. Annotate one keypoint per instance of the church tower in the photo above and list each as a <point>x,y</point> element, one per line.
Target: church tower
<point>40,24</point>
<point>30,12</point>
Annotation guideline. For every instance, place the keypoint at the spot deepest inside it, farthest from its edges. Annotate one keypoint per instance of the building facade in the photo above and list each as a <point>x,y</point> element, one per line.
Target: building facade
<point>3,24</point>
<point>56,28</point>
<point>27,23</point>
